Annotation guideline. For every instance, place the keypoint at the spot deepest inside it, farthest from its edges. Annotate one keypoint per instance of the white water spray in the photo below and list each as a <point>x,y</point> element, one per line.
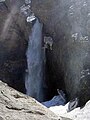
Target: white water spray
<point>34,75</point>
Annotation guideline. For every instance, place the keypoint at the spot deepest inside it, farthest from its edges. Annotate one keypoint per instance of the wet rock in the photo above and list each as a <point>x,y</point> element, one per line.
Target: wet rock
<point>67,22</point>
<point>14,33</point>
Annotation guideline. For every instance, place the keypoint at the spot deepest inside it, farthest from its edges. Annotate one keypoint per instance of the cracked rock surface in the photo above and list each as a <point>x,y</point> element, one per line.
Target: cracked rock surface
<point>17,106</point>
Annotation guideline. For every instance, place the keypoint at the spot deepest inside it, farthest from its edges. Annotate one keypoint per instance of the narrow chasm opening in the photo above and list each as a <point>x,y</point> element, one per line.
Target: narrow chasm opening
<point>39,81</point>
<point>29,59</point>
<point>26,70</point>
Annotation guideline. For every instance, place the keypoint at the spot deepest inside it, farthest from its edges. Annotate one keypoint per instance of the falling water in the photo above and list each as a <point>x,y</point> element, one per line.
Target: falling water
<point>34,75</point>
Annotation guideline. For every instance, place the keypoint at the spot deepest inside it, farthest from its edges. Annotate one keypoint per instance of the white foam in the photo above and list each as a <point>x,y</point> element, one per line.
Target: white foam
<point>31,18</point>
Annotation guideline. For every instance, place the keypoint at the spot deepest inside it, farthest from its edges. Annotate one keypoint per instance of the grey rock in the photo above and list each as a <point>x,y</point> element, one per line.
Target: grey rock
<point>67,22</point>
<point>14,33</point>
<point>17,106</point>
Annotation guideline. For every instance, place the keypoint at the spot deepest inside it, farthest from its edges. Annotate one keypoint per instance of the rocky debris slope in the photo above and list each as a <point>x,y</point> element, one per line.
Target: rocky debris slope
<point>17,106</point>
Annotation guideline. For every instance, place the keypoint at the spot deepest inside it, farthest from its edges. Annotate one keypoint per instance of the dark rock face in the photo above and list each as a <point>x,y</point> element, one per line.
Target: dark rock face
<point>69,62</point>
<point>14,32</point>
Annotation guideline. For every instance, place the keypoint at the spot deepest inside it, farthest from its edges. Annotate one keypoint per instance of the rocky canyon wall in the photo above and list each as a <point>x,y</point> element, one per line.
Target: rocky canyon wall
<point>14,33</point>
<point>67,21</point>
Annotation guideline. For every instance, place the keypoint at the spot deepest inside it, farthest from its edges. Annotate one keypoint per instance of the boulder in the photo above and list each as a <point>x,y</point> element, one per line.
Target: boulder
<point>17,106</point>
<point>68,63</point>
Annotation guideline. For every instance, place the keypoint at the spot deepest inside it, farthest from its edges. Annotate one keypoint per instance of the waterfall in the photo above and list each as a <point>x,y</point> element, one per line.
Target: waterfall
<point>34,54</point>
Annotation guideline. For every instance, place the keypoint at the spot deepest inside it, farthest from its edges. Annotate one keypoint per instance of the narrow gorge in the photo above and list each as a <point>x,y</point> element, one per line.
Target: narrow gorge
<point>44,49</point>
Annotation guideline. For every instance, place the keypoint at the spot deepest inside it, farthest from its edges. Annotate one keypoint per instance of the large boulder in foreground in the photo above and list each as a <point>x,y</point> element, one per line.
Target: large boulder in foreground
<point>68,22</point>
<point>17,106</point>
<point>14,33</point>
